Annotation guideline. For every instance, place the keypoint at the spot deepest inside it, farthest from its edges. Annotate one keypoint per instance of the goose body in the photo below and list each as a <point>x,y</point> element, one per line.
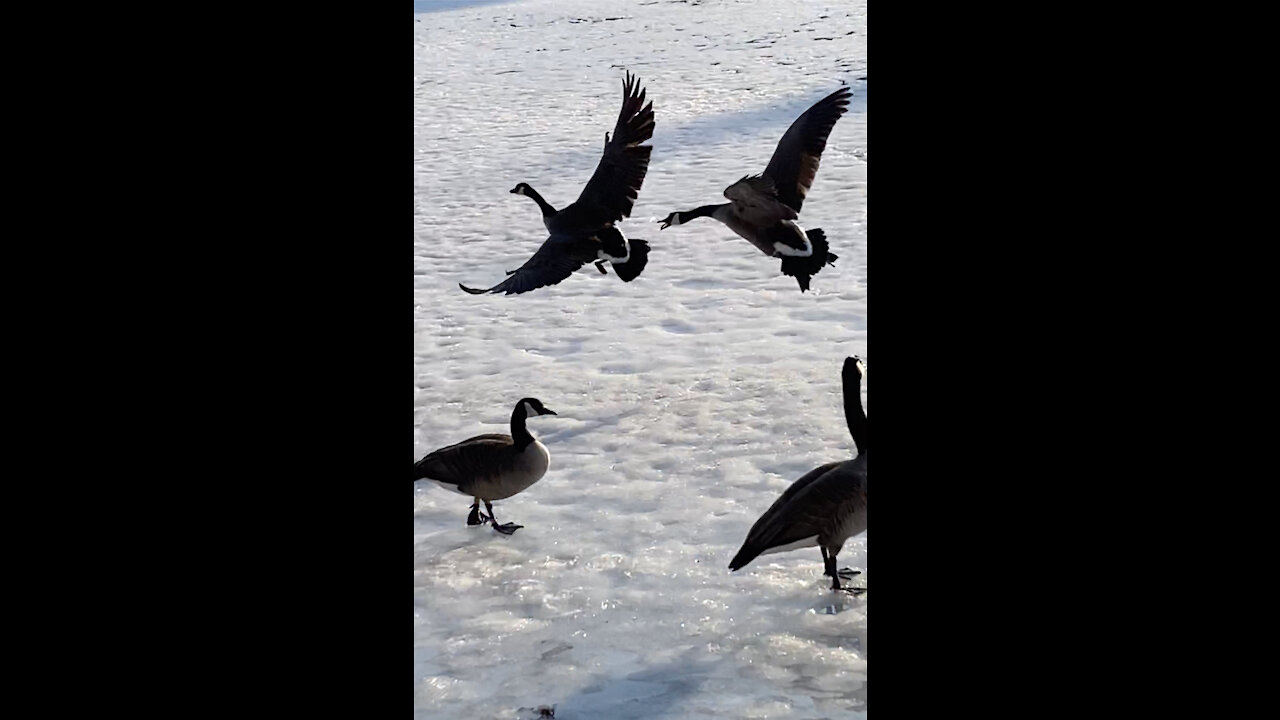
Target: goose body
<point>822,509</point>
<point>763,208</point>
<point>487,466</point>
<point>825,507</point>
<point>782,238</point>
<point>491,467</point>
<point>585,232</point>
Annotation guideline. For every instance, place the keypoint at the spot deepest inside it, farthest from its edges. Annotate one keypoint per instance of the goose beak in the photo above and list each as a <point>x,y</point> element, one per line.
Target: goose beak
<point>547,411</point>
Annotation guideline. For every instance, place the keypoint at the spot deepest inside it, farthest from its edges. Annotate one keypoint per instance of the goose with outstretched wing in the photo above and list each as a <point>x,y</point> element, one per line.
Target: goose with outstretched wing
<point>763,208</point>
<point>585,231</point>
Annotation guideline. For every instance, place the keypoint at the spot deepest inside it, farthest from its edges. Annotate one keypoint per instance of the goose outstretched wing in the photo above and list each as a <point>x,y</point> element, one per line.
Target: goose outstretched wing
<point>795,160</point>
<point>611,192</point>
<point>558,258</point>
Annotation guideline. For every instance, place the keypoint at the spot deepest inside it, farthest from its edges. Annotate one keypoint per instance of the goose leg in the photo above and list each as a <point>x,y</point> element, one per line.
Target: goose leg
<point>835,575</point>
<point>505,528</point>
<point>600,267</point>
<point>474,517</point>
<point>828,563</point>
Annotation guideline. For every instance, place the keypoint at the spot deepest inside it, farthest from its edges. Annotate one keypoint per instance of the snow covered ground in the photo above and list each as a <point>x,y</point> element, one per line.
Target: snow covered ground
<point>689,399</point>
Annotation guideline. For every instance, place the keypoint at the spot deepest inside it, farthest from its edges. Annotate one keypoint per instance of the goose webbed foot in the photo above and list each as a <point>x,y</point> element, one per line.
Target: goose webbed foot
<point>829,569</point>
<point>842,574</point>
<point>600,267</point>
<point>505,528</point>
<point>846,574</point>
<point>475,517</point>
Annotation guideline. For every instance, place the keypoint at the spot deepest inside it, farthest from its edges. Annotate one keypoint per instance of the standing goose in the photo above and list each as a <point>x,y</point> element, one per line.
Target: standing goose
<point>584,231</point>
<point>825,507</point>
<point>491,467</point>
<point>763,208</point>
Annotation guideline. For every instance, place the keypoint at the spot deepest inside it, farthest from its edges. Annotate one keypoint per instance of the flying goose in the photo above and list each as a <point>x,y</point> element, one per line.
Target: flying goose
<point>491,467</point>
<point>764,207</point>
<point>825,507</point>
<point>584,231</point>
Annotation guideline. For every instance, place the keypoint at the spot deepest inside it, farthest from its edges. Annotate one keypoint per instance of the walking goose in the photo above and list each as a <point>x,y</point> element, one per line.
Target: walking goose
<point>584,231</point>
<point>825,507</point>
<point>491,467</point>
<point>764,207</point>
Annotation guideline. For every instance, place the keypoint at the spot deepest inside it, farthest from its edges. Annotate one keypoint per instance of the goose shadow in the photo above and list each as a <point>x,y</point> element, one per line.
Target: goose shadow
<point>776,113</point>
<point>588,426</point>
<point>641,695</point>
<point>769,120</point>
<point>422,7</point>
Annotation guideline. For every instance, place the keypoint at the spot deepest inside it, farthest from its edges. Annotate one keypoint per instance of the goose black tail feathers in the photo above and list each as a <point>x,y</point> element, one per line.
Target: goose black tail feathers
<point>631,269</point>
<point>803,268</point>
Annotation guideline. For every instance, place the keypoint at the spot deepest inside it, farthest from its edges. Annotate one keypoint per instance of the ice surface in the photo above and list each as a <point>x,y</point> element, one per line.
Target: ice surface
<point>688,400</point>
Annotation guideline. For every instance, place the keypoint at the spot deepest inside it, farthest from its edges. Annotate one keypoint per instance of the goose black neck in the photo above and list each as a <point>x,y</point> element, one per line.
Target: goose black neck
<point>519,433</point>
<point>855,416</point>
<point>547,210</point>
<point>704,211</point>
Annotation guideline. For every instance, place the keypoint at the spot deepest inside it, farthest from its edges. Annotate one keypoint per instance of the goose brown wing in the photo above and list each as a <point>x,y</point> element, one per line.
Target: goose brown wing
<point>795,160</point>
<point>611,192</point>
<point>802,512</point>
<point>755,200</point>
<point>477,457</point>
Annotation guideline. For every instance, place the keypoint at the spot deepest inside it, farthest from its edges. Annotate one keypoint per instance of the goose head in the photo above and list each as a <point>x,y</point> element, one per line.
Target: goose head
<point>854,369</point>
<point>533,407</point>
